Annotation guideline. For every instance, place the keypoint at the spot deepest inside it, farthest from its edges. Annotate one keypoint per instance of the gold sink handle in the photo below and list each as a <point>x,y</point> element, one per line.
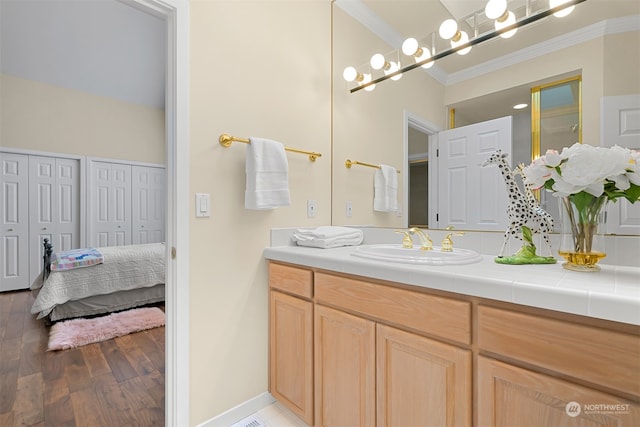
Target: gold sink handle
<point>407,242</point>
<point>447,242</point>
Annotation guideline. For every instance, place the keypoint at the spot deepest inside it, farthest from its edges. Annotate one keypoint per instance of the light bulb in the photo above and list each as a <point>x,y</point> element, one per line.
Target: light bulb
<point>509,20</point>
<point>448,29</point>
<point>464,38</point>
<point>410,46</point>
<point>350,74</point>
<point>377,61</point>
<point>562,13</point>
<point>495,9</point>
<point>425,55</point>
<point>392,68</point>
<point>366,79</point>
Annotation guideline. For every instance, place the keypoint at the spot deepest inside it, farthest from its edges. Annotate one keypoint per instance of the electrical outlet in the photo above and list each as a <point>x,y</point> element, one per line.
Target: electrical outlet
<point>311,208</point>
<point>349,209</point>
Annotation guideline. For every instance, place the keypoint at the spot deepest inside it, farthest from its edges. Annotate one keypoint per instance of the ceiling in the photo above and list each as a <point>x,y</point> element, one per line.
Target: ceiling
<point>104,47</point>
<point>414,18</point>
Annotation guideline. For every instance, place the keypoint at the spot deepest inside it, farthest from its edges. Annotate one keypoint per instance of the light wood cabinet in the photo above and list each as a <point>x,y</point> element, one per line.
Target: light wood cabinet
<point>510,396</point>
<point>291,339</point>
<point>344,369</point>
<point>420,381</point>
<point>351,351</point>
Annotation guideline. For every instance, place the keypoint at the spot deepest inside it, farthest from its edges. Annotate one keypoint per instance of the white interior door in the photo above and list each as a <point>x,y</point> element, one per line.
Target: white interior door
<point>471,197</point>
<point>54,210</point>
<point>147,204</point>
<point>621,126</point>
<point>109,204</point>
<point>14,213</point>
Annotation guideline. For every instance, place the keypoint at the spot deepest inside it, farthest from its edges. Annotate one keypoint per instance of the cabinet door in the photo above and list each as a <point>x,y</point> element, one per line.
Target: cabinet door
<point>510,396</point>
<point>14,220</point>
<point>291,353</point>
<point>344,369</point>
<point>421,382</point>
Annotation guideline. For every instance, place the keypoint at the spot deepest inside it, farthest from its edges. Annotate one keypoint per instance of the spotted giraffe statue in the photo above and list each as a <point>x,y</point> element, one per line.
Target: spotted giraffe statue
<point>519,212</point>
<point>531,198</point>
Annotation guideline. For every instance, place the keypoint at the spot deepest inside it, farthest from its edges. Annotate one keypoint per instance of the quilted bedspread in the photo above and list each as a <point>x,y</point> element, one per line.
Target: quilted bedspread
<point>123,268</point>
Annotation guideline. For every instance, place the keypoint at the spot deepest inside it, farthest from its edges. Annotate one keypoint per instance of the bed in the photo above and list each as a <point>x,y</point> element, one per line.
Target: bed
<point>121,277</point>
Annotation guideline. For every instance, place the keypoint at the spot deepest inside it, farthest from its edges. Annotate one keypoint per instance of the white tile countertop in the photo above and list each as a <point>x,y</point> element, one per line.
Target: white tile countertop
<point>612,293</point>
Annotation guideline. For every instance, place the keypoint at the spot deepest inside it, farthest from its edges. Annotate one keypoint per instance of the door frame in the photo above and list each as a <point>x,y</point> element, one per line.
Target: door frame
<point>414,121</point>
<point>176,15</point>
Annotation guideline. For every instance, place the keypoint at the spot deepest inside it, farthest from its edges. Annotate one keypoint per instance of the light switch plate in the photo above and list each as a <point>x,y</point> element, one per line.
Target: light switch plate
<point>311,208</point>
<point>203,205</point>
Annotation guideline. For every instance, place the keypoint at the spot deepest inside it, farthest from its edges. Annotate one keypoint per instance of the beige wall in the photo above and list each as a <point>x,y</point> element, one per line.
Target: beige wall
<point>43,117</point>
<point>369,126</point>
<point>622,49</point>
<point>257,68</point>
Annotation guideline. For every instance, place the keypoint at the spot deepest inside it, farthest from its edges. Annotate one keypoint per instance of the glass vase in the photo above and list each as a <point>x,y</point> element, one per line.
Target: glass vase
<point>582,219</point>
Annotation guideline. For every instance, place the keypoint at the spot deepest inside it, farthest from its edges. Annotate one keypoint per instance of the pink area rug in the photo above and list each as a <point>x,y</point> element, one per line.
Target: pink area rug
<point>78,332</point>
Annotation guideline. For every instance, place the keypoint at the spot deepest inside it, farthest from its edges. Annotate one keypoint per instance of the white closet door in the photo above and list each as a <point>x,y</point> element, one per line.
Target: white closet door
<point>621,126</point>
<point>109,204</point>
<point>471,197</point>
<point>14,231</point>
<point>147,204</point>
<point>53,206</point>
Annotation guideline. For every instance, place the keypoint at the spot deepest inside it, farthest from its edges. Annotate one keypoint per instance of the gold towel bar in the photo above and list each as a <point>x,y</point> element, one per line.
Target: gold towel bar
<point>348,163</point>
<point>226,140</point>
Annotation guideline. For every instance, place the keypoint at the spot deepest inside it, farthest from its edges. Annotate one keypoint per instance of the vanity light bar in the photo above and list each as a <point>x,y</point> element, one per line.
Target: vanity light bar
<point>480,39</point>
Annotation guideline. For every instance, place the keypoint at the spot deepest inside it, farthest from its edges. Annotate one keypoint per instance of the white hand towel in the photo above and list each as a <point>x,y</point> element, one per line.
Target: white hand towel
<point>385,189</point>
<point>267,172</point>
<point>328,237</point>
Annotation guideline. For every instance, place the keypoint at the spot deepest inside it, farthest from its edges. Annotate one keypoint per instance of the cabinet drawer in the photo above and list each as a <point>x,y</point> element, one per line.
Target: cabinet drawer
<point>600,356</point>
<point>298,281</point>
<point>444,317</point>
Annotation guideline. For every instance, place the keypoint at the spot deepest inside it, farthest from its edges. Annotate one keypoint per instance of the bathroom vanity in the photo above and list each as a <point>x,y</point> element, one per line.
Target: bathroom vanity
<point>358,342</point>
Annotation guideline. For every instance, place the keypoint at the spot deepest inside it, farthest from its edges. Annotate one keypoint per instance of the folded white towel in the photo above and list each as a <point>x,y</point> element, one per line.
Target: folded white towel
<point>328,237</point>
<point>267,172</point>
<point>385,189</point>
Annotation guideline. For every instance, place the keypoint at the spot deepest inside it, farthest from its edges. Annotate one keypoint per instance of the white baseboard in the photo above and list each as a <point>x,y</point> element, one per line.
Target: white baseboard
<point>241,411</point>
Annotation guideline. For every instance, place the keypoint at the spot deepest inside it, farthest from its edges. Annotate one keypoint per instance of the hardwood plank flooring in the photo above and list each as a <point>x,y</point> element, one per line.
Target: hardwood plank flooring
<point>119,382</point>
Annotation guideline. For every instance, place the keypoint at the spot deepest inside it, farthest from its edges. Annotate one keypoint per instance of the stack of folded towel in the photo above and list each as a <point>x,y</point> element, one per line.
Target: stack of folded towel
<point>385,189</point>
<point>267,172</point>
<point>328,237</point>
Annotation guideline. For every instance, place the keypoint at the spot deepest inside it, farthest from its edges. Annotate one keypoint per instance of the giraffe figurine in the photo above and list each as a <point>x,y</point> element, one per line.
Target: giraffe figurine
<point>531,198</point>
<point>519,213</point>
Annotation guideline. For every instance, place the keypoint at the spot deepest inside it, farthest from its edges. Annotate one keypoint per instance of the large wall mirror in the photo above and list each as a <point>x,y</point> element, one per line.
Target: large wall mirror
<point>578,58</point>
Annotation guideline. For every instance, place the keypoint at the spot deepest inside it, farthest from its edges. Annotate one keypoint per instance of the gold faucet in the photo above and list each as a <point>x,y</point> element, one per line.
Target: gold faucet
<point>407,242</point>
<point>447,242</point>
<point>427,244</point>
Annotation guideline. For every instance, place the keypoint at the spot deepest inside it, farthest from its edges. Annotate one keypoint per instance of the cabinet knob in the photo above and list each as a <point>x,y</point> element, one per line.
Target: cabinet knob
<point>44,228</point>
<point>11,229</point>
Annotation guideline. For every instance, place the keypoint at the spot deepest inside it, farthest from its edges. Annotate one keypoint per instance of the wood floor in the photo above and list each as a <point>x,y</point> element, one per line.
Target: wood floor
<point>119,382</point>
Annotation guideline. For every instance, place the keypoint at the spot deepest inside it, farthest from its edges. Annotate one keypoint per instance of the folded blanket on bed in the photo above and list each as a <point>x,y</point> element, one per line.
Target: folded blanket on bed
<point>76,258</point>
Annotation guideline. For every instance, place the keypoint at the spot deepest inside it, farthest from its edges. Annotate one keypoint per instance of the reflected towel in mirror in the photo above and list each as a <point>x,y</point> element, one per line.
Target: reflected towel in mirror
<point>385,189</point>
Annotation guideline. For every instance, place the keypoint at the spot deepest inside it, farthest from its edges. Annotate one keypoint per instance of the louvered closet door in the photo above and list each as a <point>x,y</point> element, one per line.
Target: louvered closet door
<point>54,209</point>
<point>109,204</point>
<point>147,204</point>
<point>14,231</point>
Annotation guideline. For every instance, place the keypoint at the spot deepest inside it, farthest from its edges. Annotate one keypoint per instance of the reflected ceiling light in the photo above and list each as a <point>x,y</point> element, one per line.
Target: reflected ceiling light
<point>449,31</point>
<point>410,47</point>
<point>351,74</point>
<point>379,62</point>
<point>563,12</point>
<point>474,24</point>
<point>520,106</point>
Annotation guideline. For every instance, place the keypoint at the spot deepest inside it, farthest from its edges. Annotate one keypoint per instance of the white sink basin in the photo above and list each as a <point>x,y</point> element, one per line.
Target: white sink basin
<point>415,255</point>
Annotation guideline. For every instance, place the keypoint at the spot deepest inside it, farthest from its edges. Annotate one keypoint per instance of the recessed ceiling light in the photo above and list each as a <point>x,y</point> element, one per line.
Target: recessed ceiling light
<point>520,106</point>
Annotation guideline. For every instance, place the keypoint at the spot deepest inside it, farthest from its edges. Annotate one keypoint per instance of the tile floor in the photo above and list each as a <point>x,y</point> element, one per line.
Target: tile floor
<point>274,415</point>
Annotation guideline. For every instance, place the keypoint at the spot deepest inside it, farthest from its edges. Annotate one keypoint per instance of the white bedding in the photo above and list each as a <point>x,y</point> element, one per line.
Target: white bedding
<point>124,268</point>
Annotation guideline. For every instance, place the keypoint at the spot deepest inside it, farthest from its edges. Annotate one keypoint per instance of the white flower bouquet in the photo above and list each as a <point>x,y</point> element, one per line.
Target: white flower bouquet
<point>584,178</point>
